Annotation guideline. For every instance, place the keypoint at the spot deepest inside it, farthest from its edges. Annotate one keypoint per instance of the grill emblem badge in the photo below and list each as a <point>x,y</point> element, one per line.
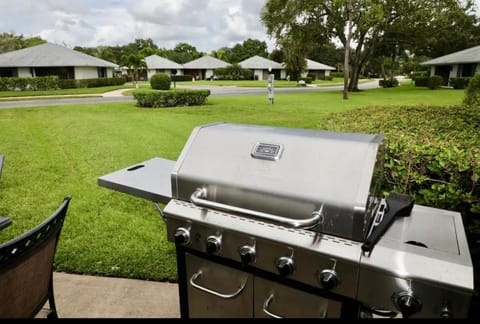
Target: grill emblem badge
<point>267,151</point>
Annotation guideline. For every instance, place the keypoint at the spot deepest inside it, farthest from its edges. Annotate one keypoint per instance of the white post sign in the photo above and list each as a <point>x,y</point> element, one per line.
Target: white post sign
<point>270,87</point>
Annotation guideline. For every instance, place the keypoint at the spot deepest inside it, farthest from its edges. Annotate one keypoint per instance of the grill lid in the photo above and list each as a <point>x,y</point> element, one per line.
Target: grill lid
<point>297,177</point>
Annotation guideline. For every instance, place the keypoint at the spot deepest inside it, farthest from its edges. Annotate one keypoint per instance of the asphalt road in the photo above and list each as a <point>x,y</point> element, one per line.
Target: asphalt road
<point>216,91</point>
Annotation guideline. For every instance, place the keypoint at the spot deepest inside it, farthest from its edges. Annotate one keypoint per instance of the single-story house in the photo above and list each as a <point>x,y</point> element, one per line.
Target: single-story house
<point>318,69</point>
<point>262,67</point>
<point>51,59</point>
<point>157,64</point>
<point>204,67</point>
<point>463,63</point>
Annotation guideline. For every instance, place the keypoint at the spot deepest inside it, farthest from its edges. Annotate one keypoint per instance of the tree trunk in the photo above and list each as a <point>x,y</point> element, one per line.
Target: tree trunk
<point>346,63</point>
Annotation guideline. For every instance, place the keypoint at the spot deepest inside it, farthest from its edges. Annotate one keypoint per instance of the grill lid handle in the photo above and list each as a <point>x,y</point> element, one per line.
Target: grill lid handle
<point>198,199</point>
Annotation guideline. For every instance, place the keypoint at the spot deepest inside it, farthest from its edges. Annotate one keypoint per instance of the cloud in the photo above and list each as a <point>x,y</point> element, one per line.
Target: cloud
<point>205,24</point>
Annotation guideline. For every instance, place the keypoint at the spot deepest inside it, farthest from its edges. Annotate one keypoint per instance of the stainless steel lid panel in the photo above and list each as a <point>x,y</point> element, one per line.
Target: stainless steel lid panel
<point>291,173</point>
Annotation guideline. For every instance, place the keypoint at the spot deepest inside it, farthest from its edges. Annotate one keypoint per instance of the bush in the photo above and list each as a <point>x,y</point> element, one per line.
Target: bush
<point>308,80</point>
<point>388,83</point>
<point>432,153</point>
<point>336,74</point>
<point>472,94</point>
<point>459,83</point>
<point>160,81</point>
<point>421,81</point>
<point>418,74</point>
<point>158,99</point>
<point>434,82</point>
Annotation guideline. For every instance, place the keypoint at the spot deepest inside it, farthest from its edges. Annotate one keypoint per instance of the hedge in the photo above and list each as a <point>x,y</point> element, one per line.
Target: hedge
<point>170,98</point>
<point>160,81</point>
<point>388,83</point>
<point>432,153</point>
<point>53,83</point>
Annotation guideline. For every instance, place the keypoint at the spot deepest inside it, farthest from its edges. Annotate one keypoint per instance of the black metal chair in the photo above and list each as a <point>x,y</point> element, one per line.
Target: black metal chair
<point>26,268</point>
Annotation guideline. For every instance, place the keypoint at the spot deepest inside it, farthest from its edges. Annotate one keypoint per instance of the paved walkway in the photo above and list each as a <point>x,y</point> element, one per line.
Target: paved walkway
<point>82,296</point>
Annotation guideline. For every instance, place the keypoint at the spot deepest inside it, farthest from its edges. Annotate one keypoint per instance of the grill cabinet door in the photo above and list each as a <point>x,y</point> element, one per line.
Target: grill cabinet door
<point>216,291</point>
<point>276,300</point>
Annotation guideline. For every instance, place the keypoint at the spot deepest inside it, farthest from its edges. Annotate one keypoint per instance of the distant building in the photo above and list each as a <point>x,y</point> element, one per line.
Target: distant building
<point>51,59</point>
<point>204,67</point>
<point>465,63</point>
<point>318,69</point>
<point>261,67</point>
<point>157,64</point>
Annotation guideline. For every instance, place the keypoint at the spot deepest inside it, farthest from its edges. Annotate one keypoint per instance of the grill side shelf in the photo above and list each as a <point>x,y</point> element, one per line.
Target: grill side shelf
<point>150,180</point>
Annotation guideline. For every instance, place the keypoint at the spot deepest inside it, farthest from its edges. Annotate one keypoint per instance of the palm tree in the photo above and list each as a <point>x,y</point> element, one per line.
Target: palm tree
<point>134,63</point>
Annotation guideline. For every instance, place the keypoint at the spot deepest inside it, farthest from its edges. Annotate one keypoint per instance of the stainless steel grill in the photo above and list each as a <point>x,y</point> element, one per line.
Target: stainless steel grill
<point>279,222</point>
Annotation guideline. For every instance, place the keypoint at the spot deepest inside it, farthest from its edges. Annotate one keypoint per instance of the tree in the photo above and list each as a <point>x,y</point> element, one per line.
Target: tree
<point>244,50</point>
<point>183,53</point>
<point>384,27</point>
<point>134,63</point>
<point>11,42</point>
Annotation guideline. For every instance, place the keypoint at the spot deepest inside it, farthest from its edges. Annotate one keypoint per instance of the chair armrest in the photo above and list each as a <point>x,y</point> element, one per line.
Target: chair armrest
<point>4,222</point>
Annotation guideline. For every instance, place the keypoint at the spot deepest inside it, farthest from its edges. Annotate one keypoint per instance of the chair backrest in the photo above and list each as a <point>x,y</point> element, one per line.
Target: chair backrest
<point>26,267</point>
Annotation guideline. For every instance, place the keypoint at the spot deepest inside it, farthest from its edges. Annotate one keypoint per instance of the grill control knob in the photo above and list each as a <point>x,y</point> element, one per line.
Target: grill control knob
<point>329,279</point>
<point>285,266</point>
<point>214,244</point>
<point>182,236</point>
<point>247,254</point>
<point>407,303</point>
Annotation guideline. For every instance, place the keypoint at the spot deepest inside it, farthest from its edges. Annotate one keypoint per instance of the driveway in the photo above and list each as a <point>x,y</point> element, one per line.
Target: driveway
<point>215,91</point>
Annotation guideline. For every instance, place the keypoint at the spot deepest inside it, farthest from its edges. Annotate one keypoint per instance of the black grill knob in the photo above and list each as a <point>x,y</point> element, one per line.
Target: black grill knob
<point>247,254</point>
<point>408,304</point>
<point>285,266</point>
<point>329,279</point>
<point>214,244</point>
<point>182,236</point>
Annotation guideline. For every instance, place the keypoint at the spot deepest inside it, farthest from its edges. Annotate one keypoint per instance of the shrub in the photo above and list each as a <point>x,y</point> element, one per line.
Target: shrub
<point>459,83</point>
<point>434,82</point>
<point>388,83</point>
<point>336,74</point>
<point>472,93</point>
<point>421,81</point>
<point>431,152</point>
<point>160,81</point>
<point>308,80</point>
<point>418,74</point>
<point>158,99</point>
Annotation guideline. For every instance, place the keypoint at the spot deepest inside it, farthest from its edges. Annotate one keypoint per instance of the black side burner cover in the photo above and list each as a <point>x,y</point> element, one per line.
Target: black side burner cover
<point>398,204</point>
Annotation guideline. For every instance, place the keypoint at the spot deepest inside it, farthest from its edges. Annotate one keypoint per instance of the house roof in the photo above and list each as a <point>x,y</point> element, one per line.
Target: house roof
<point>158,62</point>
<point>259,63</point>
<point>206,62</point>
<point>313,65</point>
<point>469,55</point>
<point>49,54</point>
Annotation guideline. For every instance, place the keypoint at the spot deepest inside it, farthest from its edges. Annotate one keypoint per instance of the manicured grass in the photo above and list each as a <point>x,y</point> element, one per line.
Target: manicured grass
<point>58,150</point>
<point>263,83</point>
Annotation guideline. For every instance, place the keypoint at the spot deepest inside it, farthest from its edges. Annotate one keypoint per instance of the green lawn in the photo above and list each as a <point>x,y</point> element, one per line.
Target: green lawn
<point>59,150</point>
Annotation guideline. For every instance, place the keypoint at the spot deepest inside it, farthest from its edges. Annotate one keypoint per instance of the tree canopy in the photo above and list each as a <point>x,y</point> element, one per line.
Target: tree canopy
<point>379,27</point>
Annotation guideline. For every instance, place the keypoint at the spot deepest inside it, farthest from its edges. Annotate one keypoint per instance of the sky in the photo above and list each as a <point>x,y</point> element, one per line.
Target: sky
<point>206,24</point>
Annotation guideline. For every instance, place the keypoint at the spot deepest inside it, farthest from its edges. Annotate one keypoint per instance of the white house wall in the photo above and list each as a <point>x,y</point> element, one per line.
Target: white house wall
<point>209,73</point>
<point>258,74</point>
<point>453,71</point>
<point>24,72</point>
<point>82,72</point>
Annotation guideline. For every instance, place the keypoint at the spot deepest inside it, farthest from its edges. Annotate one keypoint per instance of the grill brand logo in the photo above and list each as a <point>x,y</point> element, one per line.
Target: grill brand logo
<point>267,151</point>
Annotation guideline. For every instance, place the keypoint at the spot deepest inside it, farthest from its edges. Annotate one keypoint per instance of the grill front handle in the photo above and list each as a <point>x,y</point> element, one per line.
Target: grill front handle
<point>198,199</point>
